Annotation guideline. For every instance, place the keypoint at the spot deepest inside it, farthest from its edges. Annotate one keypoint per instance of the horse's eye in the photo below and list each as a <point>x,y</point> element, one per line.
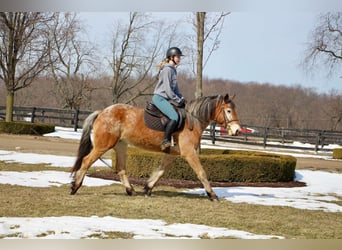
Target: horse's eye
<point>228,111</point>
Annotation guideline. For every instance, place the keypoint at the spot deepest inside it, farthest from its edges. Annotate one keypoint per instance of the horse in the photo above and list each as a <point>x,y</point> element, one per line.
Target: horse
<point>121,124</point>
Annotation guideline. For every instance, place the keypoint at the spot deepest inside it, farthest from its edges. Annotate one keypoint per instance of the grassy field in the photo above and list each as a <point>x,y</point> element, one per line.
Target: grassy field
<point>166,203</point>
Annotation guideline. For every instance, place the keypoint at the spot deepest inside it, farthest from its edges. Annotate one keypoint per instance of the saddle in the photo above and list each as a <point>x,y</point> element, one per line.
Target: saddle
<point>156,120</point>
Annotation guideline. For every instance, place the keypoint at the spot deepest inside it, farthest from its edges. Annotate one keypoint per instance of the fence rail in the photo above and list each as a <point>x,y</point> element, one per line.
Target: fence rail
<point>59,117</point>
<point>253,135</point>
<point>305,139</point>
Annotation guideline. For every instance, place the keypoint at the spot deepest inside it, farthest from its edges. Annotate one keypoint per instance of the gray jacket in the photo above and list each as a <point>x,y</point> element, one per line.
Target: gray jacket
<point>167,85</point>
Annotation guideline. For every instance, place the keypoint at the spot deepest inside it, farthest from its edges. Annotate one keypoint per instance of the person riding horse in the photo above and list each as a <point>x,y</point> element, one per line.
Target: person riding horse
<point>167,91</point>
<point>115,127</point>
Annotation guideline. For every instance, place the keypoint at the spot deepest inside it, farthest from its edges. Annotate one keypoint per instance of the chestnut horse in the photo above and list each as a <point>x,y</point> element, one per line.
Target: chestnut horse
<point>122,124</point>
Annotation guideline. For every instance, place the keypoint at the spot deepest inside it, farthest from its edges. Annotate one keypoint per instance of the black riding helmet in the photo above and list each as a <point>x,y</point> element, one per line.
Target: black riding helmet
<point>173,51</point>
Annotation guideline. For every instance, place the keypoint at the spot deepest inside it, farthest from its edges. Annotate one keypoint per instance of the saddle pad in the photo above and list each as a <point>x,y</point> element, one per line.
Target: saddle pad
<point>153,122</point>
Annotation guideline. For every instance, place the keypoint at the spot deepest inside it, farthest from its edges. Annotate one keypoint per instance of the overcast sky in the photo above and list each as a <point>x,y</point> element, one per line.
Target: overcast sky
<point>264,47</point>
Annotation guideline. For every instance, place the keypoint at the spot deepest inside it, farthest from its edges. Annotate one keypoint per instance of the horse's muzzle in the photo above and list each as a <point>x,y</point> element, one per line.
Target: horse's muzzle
<point>234,129</point>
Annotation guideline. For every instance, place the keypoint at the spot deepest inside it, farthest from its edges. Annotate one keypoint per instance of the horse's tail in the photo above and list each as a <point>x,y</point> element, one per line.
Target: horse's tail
<point>85,144</point>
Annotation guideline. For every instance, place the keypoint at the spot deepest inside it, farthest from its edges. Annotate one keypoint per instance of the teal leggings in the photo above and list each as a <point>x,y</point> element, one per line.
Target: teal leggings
<point>165,107</point>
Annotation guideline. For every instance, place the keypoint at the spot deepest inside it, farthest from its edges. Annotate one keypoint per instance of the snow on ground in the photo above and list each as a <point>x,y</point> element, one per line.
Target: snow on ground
<point>75,227</point>
<point>322,190</point>
<point>46,179</point>
<point>66,133</point>
<point>53,160</point>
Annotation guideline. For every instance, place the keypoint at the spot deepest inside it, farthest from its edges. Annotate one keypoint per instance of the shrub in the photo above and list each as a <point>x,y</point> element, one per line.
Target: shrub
<point>220,165</point>
<point>26,128</point>
<point>337,153</point>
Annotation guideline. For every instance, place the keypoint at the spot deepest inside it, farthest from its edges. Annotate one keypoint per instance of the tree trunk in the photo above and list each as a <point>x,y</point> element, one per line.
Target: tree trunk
<point>200,16</point>
<point>9,106</point>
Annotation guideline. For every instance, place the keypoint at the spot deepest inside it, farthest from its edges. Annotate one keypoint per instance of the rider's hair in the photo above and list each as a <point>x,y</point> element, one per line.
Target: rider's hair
<point>165,61</point>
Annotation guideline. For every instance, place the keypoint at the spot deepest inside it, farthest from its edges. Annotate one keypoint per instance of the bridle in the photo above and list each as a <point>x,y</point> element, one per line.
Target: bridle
<point>227,122</point>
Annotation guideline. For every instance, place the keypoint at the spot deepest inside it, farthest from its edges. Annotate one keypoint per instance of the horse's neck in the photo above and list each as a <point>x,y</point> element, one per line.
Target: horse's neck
<point>194,121</point>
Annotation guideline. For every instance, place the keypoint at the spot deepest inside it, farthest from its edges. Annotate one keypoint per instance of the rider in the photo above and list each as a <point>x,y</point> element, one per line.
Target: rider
<point>167,90</point>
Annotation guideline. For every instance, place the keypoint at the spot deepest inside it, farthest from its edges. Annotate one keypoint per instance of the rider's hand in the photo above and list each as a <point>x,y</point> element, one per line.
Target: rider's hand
<point>182,103</point>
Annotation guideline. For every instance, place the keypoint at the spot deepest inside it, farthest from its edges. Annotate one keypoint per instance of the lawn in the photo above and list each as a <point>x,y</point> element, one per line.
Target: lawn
<point>168,204</point>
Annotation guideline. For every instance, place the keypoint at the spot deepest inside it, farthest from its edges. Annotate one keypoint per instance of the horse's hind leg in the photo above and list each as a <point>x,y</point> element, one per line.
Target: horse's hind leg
<point>158,173</point>
<point>121,153</point>
<point>86,164</point>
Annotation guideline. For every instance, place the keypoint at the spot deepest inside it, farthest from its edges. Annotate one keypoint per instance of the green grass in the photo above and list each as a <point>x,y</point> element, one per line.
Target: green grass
<point>166,203</point>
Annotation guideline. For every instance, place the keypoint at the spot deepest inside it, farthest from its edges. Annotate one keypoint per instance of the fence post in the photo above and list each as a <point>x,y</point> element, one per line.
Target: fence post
<point>43,115</point>
<point>76,120</point>
<point>213,132</point>
<point>265,136</point>
<point>318,139</point>
<point>245,134</point>
<point>322,139</point>
<point>33,114</point>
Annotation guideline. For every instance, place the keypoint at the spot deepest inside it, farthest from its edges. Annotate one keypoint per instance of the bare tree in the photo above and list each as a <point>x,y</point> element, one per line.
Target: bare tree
<point>136,47</point>
<point>333,110</point>
<point>208,28</point>
<point>325,46</point>
<point>72,61</point>
<point>200,21</point>
<point>23,51</point>
<point>325,49</point>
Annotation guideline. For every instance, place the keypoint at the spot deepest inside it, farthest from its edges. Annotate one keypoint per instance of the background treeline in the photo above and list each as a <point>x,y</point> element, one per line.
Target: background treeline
<point>257,104</point>
<point>46,60</point>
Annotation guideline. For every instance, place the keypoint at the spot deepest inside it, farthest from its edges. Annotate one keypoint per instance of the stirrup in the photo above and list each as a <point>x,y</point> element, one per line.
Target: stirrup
<point>165,146</point>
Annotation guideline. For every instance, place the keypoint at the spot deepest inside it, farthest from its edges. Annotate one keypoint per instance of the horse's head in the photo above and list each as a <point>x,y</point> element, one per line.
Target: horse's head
<point>225,115</point>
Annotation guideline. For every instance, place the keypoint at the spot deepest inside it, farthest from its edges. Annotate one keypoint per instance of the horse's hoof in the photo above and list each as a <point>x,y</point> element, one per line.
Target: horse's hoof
<point>131,192</point>
<point>216,199</point>
<point>213,197</point>
<point>73,190</point>
<point>147,191</point>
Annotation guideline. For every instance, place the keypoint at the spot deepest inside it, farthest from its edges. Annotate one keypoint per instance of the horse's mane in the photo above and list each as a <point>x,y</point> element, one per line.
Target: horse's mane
<point>202,109</point>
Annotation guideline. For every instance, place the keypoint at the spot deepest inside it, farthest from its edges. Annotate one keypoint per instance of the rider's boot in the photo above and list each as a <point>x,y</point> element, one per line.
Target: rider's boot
<point>170,128</point>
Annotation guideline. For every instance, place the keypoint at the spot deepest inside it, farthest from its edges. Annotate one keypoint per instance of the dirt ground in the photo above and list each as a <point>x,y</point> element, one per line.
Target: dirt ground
<point>68,147</point>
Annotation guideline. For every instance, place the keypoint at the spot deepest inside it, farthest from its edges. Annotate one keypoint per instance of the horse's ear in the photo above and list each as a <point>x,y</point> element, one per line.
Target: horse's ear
<point>232,97</point>
<point>226,98</point>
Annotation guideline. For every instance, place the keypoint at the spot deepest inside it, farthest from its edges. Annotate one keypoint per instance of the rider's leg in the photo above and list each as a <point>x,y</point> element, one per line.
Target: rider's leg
<point>164,106</point>
<point>170,128</point>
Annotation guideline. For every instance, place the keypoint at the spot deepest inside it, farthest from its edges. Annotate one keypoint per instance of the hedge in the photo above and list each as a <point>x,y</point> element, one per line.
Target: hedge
<point>337,153</point>
<point>220,166</point>
<point>26,128</point>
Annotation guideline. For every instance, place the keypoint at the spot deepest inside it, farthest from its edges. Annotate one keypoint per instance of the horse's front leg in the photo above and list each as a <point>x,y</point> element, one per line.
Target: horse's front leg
<point>193,159</point>
<point>158,173</point>
<point>121,154</point>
